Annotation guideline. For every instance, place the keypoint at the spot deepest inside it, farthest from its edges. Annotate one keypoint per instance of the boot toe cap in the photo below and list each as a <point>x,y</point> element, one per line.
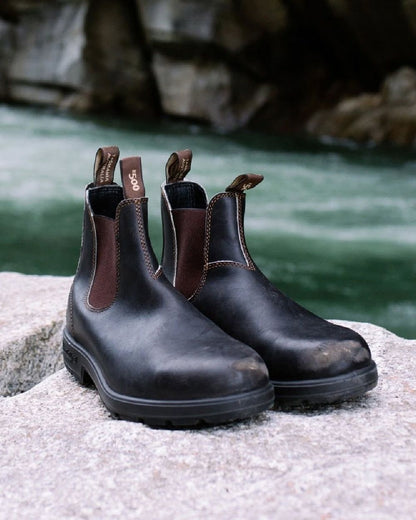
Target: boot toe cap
<point>211,378</point>
<point>320,358</point>
<point>334,357</point>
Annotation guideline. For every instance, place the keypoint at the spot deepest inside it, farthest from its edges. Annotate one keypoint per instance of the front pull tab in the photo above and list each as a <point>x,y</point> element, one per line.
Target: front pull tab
<point>178,165</point>
<point>105,164</point>
<point>132,177</point>
<point>245,182</point>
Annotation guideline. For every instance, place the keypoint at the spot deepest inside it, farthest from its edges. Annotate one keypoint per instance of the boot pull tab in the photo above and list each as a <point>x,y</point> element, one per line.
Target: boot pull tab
<point>245,182</point>
<point>132,177</point>
<point>104,165</point>
<point>178,165</point>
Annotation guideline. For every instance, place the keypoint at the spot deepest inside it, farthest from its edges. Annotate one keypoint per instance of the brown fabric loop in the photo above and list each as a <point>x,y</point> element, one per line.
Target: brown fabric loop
<point>245,182</point>
<point>178,165</point>
<point>132,177</point>
<point>105,163</point>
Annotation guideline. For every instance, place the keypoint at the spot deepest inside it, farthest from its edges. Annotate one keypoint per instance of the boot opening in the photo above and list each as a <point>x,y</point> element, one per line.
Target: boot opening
<point>104,200</point>
<point>186,195</point>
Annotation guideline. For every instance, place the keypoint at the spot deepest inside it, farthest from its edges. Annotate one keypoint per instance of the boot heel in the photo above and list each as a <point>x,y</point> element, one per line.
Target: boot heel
<point>74,364</point>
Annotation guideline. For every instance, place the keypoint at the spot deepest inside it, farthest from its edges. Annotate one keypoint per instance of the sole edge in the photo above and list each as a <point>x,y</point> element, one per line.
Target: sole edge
<point>192,413</point>
<point>326,391</point>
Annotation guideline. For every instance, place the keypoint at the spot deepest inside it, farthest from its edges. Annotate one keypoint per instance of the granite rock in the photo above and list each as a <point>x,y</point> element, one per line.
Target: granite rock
<point>273,65</point>
<point>387,116</point>
<point>47,61</point>
<point>208,91</point>
<point>64,457</point>
<point>78,54</point>
<point>32,313</point>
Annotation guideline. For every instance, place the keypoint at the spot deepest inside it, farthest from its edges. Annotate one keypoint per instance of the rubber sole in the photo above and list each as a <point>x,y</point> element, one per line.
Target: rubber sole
<point>326,391</point>
<point>183,413</point>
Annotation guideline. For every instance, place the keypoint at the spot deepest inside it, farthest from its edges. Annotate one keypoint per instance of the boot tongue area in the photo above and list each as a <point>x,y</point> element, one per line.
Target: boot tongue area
<point>104,165</point>
<point>178,166</point>
<point>244,182</point>
<point>132,177</point>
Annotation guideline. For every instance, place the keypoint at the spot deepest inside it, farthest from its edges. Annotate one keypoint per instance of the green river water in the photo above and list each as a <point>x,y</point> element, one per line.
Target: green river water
<point>333,226</point>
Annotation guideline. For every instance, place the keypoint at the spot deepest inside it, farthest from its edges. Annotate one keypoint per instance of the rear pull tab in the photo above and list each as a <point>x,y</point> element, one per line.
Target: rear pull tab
<point>132,177</point>
<point>178,165</point>
<point>105,164</point>
<point>245,182</point>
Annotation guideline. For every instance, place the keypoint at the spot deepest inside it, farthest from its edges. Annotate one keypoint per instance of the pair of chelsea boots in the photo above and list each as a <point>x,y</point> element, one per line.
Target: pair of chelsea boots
<point>204,338</point>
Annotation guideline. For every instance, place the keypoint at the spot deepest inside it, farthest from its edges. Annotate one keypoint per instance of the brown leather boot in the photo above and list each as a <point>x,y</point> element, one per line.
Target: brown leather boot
<point>151,355</point>
<point>206,258</point>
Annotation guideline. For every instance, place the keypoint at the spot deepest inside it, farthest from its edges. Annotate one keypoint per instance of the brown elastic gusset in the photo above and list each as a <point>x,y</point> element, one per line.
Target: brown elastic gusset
<point>104,286</point>
<point>190,236</point>
<point>178,165</point>
<point>132,177</point>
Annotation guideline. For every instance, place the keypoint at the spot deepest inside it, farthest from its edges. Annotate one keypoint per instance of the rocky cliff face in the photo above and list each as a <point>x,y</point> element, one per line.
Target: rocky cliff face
<point>269,64</point>
<point>386,116</point>
<point>76,54</point>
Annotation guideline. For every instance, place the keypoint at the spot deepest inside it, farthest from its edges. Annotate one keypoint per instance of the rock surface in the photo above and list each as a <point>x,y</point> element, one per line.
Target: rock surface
<point>80,54</point>
<point>268,64</point>
<point>64,457</point>
<point>32,312</point>
<point>389,116</point>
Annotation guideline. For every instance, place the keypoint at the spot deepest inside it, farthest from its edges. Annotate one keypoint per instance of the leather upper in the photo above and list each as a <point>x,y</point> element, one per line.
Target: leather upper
<point>148,339</point>
<point>295,344</point>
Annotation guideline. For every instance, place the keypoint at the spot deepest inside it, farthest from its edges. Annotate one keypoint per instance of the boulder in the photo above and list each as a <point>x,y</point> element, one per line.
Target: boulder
<point>63,456</point>
<point>47,62</point>
<point>224,23</point>
<point>388,116</point>
<point>6,50</point>
<point>199,61</point>
<point>399,89</point>
<point>31,322</point>
<point>79,54</point>
<point>208,91</point>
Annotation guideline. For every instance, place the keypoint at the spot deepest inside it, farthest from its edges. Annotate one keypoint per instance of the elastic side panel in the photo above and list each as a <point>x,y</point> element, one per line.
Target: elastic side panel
<point>190,234</point>
<point>104,286</point>
<point>186,195</point>
<point>104,200</point>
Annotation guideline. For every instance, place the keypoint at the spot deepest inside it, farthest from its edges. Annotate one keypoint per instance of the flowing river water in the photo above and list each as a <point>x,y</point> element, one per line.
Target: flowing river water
<point>334,226</point>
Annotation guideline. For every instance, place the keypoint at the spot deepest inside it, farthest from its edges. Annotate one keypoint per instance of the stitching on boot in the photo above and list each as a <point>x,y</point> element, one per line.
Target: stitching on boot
<point>241,234</point>
<point>228,263</point>
<point>138,203</point>
<point>93,259</point>
<point>207,241</point>
<point>222,263</point>
<point>71,308</point>
<point>175,240</point>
